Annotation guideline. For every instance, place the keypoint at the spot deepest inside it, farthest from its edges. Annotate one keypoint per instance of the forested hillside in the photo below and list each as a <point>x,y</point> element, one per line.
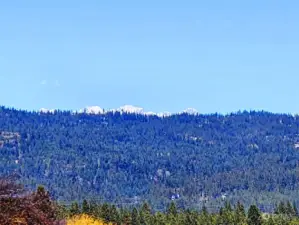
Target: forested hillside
<point>129,158</point>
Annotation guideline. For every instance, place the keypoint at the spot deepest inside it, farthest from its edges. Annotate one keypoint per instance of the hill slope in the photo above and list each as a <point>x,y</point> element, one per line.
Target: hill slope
<point>127,158</point>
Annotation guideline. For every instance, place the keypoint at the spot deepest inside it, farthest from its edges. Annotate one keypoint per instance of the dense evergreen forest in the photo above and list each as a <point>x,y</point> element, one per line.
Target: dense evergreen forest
<point>126,159</point>
<point>20,207</point>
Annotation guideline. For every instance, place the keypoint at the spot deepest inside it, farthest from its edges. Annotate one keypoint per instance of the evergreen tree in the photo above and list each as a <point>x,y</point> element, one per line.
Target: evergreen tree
<point>226,214</point>
<point>172,210</point>
<point>85,207</point>
<point>105,212</point>
<point>204,210</point>
<point>240,215</point>
<point>114,215</point>
<point>254,216</point>
<point>270,221</point>
<point>146,208</point>
<point>94,208</point>
<point>74,210</point>
<point>221,211</point>
<point>172,213</point>
<point>159,219</point>
<point>135,217</point>
<point>290,211</point>
<point>228,206</point>
<point>281,208</point>
<point>126,218</point>
<point>190,218</point>
<point>62,211</point>
<point>204,215</point>
<point>295,209</point>
<point>145,214</point>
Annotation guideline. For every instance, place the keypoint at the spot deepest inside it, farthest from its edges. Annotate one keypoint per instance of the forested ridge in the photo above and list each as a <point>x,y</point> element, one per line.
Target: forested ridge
<point>126,159</point>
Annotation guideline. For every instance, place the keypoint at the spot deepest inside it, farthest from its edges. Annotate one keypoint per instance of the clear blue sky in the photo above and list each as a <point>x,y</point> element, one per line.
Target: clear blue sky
<point>215,56</point>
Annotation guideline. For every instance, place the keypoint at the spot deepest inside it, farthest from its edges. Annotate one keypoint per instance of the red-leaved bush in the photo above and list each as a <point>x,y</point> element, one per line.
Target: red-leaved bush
<point>19,207</point>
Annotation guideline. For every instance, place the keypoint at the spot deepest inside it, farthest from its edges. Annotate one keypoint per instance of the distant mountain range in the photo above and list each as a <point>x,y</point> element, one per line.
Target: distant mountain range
<point>124,109</point>
<point>127,156</point>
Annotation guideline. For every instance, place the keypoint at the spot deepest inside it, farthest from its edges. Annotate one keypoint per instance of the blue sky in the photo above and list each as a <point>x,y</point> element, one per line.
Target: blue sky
<point>215,56</point>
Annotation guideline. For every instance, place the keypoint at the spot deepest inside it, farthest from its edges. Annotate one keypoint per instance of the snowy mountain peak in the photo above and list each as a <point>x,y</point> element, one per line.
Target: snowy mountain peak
<point>44,110</point>
<point>92,110</point>
<point>191,111</point>
<point>131,109</point>
<point>164,114</point>
<point>135,110</point>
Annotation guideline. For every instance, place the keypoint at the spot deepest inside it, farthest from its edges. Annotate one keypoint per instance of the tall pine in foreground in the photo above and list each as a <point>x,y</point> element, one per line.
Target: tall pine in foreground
<point>74,210</point>
<point>135,217</point>
<point>85,207</point>
<point>240,215</point>
<point>145,214</point>
<point>254,216</point>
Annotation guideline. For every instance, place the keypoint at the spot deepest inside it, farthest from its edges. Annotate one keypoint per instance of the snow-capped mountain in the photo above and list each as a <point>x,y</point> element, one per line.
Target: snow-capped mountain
<point>43,110</point>
<point>131,109</point>
<point>92,110</point>
<point>164,114</point>
<point>190,111</point>
<point>126,109</point>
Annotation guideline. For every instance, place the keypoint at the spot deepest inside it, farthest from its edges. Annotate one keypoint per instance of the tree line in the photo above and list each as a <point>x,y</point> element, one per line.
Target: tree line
<point>20,207</point>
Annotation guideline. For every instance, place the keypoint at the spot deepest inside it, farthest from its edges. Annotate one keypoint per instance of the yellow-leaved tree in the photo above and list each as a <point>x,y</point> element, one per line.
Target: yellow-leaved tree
<point>85,220</point>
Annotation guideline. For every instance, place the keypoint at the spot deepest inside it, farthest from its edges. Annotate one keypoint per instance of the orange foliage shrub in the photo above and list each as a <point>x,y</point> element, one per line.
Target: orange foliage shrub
<point>85,220</point>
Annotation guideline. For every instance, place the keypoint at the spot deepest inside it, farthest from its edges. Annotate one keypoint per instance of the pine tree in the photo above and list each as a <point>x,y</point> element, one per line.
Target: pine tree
<point>85,207</point>
<point>172,210</point>
<point>240,215</point>
<point>93,208</point>
<point>105,212</point>
<point>74,210</point>
<point>62,211</point>
<point>146,208</point>
<point>160,219</point>
<point>226,214</point>
<point>254,216</point>
<point>270,221</point>
<point>276,211</point>
<point>221,211</point>
<point>228,206</point>
<point>135,217</point>
<point>126,218</point>
<point>172,213</point>
<point>145,214</point>
<point>204,210</point>
<point>191,218</point>
<point>295,209</point>
<point>204,215</point>
<point>281,208</point>
<point>290,210</point>
<point>114,215</point>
